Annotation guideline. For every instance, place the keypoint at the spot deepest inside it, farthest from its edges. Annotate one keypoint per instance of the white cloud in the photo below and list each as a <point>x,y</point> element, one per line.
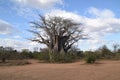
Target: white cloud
<point>65,14</point>
<point>39,3</point>
<point>94,25</point>
<point>19,44</point>
<point>17,37</point>
<point>29,9</point>
<point>105,13</point>
<point>26,12</point>
<point>104,21</point>
<point>101,24</point>
<point>5,28</point>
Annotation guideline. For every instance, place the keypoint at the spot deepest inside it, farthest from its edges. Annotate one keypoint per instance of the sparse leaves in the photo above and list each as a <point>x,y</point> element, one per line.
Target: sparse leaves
<point>57,33</point>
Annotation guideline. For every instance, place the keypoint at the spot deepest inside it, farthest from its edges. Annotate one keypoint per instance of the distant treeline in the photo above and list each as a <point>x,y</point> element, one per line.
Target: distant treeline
<point>8,53</point>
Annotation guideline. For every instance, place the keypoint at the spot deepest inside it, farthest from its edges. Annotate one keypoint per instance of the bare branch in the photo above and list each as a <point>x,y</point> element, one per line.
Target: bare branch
<point>57,33</point>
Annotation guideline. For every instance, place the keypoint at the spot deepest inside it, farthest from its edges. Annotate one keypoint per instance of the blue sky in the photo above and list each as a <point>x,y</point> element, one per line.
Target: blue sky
<point>101,20</point>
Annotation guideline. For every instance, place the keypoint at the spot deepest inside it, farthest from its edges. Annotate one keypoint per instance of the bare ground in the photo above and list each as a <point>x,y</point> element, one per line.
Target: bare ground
<point>106,70</point>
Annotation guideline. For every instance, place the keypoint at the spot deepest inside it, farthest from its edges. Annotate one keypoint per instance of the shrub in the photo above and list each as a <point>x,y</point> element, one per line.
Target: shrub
<point>3,60</point>
<point>14,63</point>
<point>64,57</point>
<point>26,55</point>
<point>41,55</point>
<point>61,57</point>
<point>55,57</point>
<point>90,57</point>
<point>105,52</point>
<point>117,56</point>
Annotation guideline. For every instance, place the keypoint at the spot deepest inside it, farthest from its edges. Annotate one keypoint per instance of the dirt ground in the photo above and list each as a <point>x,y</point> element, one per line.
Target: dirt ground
<point>105,70</point>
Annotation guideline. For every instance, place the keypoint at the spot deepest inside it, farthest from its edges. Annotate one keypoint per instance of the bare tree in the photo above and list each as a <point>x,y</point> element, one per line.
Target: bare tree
<point>57,33</point>
<point>115,46</point>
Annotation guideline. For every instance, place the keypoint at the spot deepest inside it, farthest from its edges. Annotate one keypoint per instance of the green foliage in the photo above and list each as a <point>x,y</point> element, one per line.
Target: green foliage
<point>62,57</point>
<point>26,55</point>
<point>118,51</point>
<point>14,63</point>
<point>90,57</point>
<point>117,56</point>
<point>55,57</point>
<point>41,55</point>
<point>104,53</point>
<point>9,55</point>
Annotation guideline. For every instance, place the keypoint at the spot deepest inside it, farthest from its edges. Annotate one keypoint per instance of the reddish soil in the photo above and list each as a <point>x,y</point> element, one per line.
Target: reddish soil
<point>105,70</point>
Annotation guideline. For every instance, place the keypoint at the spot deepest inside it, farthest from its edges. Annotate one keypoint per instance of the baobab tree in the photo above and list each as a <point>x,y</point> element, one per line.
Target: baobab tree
<point>57,33</point>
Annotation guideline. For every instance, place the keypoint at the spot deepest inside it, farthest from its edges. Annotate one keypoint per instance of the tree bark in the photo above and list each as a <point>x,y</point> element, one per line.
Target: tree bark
<point>3,60</point>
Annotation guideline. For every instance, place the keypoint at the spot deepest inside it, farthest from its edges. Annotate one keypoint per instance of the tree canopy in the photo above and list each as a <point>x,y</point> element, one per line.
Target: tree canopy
<point>57,33</point>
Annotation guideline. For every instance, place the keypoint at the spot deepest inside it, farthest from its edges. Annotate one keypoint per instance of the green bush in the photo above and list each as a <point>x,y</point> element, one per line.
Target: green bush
<point>41,55</point>
<point>90,57</point>
<point>105,53</point>
<point>55,57</point>
<point>65,57</point>
<point>61,57</point>
<point>14,63</point>
<point>117,56</point>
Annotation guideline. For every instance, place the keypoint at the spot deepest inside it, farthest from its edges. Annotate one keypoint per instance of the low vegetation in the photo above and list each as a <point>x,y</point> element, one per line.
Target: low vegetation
<point>90,57</point>
<point>8,54</point>
<point>14,63</point>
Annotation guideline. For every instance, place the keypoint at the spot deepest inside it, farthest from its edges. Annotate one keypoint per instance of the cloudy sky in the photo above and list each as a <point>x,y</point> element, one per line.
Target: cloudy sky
<point>101,19</point>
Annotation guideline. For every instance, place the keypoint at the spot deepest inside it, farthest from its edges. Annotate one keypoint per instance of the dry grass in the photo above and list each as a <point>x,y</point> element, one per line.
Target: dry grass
<point>105,70</point>
<point>14,62</point>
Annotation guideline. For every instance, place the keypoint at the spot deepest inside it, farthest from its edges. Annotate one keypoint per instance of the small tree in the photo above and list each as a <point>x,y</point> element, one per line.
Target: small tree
<point>118,51</point>
<point>115,46</point>
<point>105,52</point>
<point>2,54</point>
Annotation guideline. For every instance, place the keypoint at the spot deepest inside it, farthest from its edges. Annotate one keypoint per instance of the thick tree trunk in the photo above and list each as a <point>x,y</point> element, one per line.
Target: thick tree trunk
<point>3,60</point>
